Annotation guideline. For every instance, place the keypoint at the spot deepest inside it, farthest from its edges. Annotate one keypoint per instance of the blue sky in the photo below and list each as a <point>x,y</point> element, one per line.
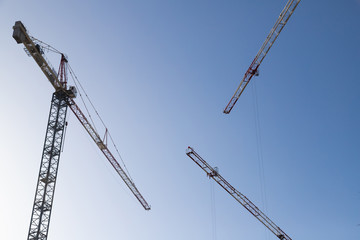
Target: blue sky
<point>160,73</point>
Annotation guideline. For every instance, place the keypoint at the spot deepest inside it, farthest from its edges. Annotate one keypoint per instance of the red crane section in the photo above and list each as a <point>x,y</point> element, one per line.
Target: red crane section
<point>253,69</point>
<point>242,199</point>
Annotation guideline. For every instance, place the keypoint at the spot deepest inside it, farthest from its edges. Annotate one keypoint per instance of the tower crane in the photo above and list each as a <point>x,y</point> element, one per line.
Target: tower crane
<point>242,199</point>
<point>270,39</point>
<point>62,98</point>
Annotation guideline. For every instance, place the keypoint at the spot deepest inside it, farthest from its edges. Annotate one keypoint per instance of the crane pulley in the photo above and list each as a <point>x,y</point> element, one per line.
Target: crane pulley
<point>242,199</point>
<point>254,66</point>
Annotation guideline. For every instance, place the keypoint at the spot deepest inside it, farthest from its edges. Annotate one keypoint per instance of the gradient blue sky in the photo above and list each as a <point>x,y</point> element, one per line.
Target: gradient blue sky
<point>160,73</point>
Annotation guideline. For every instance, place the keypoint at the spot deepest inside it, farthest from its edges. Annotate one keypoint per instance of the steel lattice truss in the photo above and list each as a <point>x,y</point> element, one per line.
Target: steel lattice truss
<point>253,69</point>
<point>104,149</point>
<point>242,199</point>
<point>21,36</point>
<point>44,196</point>
<point>62,98</point>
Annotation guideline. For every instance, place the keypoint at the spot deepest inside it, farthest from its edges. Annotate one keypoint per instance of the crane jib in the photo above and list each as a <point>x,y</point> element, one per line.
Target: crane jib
<point>269,41</point>
<point>242,199</point>
<point>34,48</point>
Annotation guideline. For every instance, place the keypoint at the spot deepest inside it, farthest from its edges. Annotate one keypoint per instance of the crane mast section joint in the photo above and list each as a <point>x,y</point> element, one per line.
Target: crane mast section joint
<point>104,149</point>
<point>270,39</point>
<point>242,199</point>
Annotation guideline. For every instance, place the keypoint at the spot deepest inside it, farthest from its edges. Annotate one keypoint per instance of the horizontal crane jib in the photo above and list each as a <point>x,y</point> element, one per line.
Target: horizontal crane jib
<point>21,35</point>
<point>242,199</point>
<point>104,149</point>
<point>270,39</point>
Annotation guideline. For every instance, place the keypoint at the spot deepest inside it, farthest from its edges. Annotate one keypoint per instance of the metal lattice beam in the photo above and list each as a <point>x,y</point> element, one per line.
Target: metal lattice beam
<point>44,195</point>
<point>58,81</point>
<point>253,69</point>
<point>105,150</point>
<point>242,199</point>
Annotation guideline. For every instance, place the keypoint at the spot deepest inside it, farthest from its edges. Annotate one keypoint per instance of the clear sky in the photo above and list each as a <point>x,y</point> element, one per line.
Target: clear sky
<point>160,73</point>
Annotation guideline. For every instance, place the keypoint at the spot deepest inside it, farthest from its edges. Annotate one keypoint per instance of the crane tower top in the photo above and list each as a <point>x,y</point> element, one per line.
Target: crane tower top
<point>34,49</point>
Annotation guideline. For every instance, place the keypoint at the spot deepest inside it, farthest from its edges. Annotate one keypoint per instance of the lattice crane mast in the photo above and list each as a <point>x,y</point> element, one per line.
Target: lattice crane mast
<point>254,66</point>
<point>242,199</point>
<point>63,97</point>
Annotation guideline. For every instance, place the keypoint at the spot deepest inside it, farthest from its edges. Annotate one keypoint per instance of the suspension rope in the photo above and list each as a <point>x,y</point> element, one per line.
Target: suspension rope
<point>213,210</point>
<point>259,151</point>
<point>78,83</point>
<point>45,45</point>
<point>82,99</point>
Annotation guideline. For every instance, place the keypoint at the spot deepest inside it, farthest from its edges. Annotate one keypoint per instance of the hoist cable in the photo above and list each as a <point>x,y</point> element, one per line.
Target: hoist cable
<point>83,101</point>
<point>213,211</point>
<point>78,83</point>
<point>259,151</point>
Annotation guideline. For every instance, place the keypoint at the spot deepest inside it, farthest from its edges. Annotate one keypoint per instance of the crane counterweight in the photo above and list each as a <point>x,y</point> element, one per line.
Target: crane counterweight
<point>18,33</point>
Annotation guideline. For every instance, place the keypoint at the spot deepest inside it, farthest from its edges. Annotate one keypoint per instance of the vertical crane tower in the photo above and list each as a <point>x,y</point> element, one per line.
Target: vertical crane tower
<point>62,98</point>
<point>241,198</point>
<point>254,66</point>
